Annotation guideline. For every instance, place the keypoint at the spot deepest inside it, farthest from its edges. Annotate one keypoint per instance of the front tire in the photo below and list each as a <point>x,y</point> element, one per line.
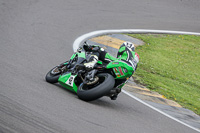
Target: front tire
<point>52,77</point>
<point>102,88</point>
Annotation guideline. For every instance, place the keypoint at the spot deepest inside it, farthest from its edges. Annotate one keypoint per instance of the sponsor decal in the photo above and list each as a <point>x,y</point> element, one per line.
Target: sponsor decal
<point>115,63</point>
<point>116,72</point>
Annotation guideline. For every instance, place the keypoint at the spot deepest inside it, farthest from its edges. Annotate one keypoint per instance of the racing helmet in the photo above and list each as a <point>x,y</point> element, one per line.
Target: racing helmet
<point>124,47</point>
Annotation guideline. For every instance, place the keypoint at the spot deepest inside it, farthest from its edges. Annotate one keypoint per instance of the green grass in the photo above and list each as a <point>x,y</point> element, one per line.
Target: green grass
<point>170,65</point>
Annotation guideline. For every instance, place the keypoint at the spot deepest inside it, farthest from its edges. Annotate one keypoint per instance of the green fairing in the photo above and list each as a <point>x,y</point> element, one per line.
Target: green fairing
<point>126,70</point>
<point>73,56</point>
<point>63,81</point>
<point>100,62</point>
<point>82,54</point>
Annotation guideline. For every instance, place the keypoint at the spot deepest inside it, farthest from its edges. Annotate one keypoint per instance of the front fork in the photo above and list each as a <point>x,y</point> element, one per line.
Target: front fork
<point>63,67</point>
<point>90,77</point>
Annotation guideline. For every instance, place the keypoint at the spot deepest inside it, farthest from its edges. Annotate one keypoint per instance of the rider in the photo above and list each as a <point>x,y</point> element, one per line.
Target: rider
<point>126,54</point>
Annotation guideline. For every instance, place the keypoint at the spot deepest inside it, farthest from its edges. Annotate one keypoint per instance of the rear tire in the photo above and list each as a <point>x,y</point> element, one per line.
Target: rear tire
<point>105,84</point>
<point>52,78</point>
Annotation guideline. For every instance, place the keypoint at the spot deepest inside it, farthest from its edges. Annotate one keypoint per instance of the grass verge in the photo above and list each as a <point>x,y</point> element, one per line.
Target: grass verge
<point>170,65</point>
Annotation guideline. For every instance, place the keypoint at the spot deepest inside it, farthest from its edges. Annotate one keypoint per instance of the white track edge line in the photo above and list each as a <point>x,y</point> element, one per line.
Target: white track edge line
<point>150,106</point>
<point>87,36</point>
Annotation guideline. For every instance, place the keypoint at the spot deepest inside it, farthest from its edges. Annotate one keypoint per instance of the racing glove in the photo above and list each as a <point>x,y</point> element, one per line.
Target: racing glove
<point>92,61</point>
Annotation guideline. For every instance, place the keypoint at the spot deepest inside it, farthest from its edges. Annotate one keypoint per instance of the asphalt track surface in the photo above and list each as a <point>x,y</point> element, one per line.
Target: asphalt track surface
<point>37,35</point>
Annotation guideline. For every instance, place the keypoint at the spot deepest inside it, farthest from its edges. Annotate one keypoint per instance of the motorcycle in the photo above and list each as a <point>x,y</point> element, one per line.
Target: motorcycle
<point>105,79</point>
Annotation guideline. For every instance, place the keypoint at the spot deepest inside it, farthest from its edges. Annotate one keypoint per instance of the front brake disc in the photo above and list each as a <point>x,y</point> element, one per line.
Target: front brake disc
<point>96,79</point>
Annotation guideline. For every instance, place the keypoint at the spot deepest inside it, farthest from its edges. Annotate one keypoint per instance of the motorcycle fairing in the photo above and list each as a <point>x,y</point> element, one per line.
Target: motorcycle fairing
<point>67,80</point>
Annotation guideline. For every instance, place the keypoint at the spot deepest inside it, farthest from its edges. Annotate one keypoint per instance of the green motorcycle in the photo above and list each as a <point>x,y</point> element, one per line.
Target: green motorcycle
<point>105,79</point>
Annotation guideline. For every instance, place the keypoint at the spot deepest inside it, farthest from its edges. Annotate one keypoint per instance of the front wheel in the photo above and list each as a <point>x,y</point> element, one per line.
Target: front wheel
<point>53,75</point>
<point>101,88</point>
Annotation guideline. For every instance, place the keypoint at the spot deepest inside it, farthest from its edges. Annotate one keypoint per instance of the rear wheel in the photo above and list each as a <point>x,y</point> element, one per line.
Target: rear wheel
<point>101,88</point>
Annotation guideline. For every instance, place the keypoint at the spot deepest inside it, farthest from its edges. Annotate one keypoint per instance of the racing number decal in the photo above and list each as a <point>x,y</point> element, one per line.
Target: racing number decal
<point>70,81</point>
